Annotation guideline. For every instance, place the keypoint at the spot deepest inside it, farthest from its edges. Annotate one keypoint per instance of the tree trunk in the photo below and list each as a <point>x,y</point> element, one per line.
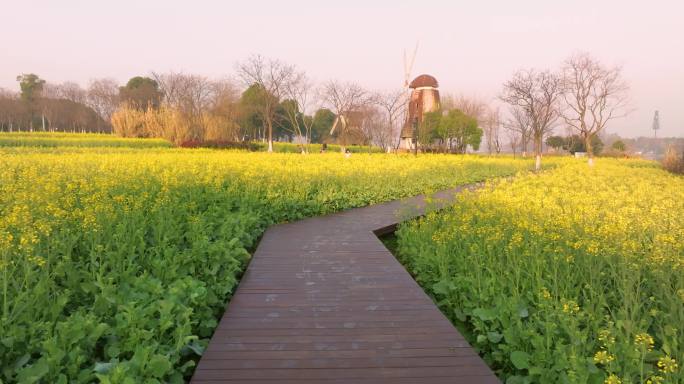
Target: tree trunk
<point>590,150</point>
<point>538,153</point>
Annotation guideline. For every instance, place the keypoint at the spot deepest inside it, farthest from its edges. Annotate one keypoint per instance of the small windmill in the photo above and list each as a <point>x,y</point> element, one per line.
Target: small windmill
<point>656,124</point>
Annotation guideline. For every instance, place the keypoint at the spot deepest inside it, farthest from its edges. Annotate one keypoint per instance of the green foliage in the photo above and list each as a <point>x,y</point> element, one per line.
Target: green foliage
<point>453,131</point>
<point>252,103</point>
<point>461,129</point>
<point>555,142</point>
<point>429,128</point>
<point>141,93</point>
<point>619,145</point>
<point>575,143</point>
<point>323,121</point>
<point>31,86</point>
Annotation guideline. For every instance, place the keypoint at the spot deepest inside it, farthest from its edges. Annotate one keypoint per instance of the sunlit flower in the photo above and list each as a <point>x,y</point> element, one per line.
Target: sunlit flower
<point>603,357</point>
<point>667,364</point>
<point>644,341</point>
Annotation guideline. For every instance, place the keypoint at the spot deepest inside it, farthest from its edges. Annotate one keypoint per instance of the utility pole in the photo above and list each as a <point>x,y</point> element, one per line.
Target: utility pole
<point>415,136</point>
<point>656,124</point>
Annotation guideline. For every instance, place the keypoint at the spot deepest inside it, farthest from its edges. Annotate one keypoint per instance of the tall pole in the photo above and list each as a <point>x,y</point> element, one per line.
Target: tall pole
<point>415,136</point>
<point>656,124</point>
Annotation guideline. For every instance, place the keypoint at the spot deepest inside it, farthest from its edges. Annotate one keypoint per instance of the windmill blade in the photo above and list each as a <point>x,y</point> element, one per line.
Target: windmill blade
<point>337,119</point>
<point>406,71</point>
<point>413,57</point>
<point>408,64</point>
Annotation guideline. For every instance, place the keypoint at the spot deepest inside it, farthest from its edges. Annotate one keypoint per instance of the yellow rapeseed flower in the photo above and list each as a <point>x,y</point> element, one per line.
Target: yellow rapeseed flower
<point>603,357</point>
<point>667,364</point>
<point>644,341</point>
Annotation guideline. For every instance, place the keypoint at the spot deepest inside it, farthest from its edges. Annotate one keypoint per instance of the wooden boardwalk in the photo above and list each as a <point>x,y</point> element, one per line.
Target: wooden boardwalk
<point>323,301</point>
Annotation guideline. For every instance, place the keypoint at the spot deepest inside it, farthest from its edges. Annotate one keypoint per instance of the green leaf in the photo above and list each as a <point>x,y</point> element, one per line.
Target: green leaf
<point>158,365</point>
<point>520,359</point>
<point>21,362</point>
<point>442,287</point>
<point>484,314</point>
<point>494,337</point>
<point>103,367</point>
<point>33,372</point>
<point>460,315</point>
<point>515,380</point>
<point>195,347</point>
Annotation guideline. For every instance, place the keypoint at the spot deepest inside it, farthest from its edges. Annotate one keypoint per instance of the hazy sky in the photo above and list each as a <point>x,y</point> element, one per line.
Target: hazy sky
<point>471,47</point>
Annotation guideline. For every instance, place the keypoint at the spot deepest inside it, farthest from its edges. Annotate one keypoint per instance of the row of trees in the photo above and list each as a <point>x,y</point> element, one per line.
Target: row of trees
<point>58,107</point>
<point>279,102</point>
<point>271,100</point>
<point>584,95</point>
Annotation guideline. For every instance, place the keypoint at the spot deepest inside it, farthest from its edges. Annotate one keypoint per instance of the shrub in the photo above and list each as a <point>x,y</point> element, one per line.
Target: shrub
<point>674,160</point>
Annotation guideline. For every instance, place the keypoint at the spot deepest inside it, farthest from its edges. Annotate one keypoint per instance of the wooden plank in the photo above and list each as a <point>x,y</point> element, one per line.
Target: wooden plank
<point>323,301</point>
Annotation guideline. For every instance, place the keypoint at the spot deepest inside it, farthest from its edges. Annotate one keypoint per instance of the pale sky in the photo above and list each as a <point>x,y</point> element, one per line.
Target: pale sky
<point>471,47</point>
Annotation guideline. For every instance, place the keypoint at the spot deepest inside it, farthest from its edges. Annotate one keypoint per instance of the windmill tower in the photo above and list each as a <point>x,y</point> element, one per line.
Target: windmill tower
<point>656,124</point>
<point>422,96</point>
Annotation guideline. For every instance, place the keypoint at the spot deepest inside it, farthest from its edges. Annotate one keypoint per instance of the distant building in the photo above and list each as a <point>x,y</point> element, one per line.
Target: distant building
<point>424,99</point>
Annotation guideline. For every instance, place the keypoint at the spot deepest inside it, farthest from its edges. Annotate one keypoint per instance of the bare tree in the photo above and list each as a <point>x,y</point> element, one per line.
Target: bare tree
<point>519,122</point>
<point>302,101</point>
<point>273,77</point>
<point>72,91</point>
<point>593,95</point>
<point>536,93</point>
<point>65,105</point>
<point>189,95</point>
<point>393,103</point>
<point>221,121</point>
<point>513,140</point>
<point>345,99</point>
<point>492,130</point>
<point>374,127</point>
<point>470,105</point>
<point>103,97</point>
<point>11,111</point>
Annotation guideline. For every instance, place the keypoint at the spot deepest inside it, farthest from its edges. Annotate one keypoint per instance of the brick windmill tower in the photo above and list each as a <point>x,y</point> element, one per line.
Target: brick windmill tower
<point>424,99</point>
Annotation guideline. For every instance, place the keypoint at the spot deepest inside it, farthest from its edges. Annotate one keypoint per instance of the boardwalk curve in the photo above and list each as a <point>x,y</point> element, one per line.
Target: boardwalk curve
<point>323,301</point>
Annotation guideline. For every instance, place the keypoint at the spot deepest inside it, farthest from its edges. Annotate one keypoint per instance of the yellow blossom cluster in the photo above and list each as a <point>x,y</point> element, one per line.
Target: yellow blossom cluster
<point>594,255</point>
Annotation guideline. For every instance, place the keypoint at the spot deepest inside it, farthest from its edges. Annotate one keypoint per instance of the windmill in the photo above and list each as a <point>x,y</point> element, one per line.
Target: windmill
<point>656,124</point>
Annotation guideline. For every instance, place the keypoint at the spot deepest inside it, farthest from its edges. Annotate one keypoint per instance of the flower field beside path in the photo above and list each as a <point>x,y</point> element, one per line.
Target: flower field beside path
<point>115,263</point>
<point>574,275</point>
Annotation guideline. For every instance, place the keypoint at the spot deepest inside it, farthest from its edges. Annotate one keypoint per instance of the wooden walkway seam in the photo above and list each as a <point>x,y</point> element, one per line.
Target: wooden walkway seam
<point>323,301</point>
